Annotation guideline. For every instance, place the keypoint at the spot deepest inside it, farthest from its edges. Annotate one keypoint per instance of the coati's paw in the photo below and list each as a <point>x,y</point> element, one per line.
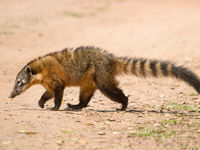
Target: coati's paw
<point>41,103</point>
<point>69,105</point>
<point>55,108</point>
<point>74,106</point>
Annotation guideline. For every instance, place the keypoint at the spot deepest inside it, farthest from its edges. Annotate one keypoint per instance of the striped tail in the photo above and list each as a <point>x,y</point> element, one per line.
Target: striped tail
<point>154,68</point>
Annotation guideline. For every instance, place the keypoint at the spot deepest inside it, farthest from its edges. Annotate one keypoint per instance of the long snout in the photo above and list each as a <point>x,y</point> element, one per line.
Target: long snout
<point>13,94</point>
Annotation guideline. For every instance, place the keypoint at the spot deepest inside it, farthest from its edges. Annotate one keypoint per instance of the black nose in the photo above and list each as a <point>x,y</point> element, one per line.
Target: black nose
<point>12,95</point>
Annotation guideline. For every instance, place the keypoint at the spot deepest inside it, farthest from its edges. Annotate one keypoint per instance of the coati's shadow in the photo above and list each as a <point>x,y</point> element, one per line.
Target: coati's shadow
<point>49,109</point>
<point>136,111</point>
<point>127,111</point>
<point>103,111</point>
<point>69,110</point>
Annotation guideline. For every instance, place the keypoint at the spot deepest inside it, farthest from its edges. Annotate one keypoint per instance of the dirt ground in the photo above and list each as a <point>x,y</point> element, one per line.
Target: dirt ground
<point>162,113</point>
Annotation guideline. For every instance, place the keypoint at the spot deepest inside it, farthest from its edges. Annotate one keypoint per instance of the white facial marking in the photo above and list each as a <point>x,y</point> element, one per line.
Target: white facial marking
<point>23,81</point>
<point>38,76</point>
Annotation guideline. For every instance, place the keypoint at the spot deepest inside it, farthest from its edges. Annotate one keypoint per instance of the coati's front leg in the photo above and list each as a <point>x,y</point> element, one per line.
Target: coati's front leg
<point>44,98</point>
<point>58,96</point>
<point>85,96</point>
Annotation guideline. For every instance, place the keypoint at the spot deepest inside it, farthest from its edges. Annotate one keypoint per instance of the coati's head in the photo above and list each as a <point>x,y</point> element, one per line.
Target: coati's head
<point>24,80</point>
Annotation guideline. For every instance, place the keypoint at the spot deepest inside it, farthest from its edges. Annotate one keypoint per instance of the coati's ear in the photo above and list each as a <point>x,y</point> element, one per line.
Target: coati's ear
<point>29,70</point>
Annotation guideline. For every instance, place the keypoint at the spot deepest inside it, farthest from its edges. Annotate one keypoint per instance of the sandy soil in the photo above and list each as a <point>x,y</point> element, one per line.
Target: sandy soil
<point>162,114</point>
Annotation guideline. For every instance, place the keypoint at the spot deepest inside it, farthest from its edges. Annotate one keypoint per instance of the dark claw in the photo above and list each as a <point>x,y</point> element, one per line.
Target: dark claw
<point>74,106</point>
<point>69,105</point>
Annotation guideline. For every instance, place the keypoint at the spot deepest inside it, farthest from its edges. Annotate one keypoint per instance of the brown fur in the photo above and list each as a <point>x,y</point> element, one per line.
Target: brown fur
<point>91,68</point>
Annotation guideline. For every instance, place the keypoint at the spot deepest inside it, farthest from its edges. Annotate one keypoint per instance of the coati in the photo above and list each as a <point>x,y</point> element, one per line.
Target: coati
<point>91,68</point>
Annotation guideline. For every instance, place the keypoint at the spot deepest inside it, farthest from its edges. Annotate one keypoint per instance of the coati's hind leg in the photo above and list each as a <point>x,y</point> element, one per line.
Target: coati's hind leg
<point>44,98</point>
<point>86,93</point>
<point>110,89</point>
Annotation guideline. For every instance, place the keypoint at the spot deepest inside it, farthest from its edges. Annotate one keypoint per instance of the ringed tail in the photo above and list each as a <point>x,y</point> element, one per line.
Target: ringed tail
<point>155,68</point>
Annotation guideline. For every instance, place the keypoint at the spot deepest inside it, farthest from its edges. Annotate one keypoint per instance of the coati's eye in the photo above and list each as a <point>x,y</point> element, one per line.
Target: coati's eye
<point>19,83</point>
